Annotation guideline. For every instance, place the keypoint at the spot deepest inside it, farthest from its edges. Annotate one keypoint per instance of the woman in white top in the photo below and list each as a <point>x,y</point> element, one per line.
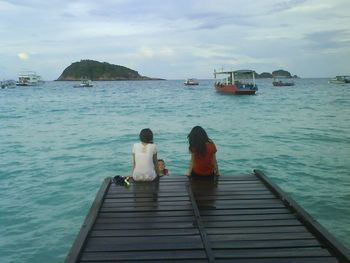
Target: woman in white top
<point>144,153</point>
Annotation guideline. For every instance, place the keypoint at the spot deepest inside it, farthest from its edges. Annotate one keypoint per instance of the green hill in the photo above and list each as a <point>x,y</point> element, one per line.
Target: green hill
<point>279,72</point>
<point>95,70</point>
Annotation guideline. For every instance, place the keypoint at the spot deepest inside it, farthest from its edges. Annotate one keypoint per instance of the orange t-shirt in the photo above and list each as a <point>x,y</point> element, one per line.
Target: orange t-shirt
<point>204,165</point>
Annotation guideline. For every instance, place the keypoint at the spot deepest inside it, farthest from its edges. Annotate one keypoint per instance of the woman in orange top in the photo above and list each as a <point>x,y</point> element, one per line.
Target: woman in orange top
<point>203,160</point>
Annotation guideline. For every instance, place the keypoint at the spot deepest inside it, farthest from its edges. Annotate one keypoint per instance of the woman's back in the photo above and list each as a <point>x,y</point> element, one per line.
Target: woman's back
<point>144,165</point>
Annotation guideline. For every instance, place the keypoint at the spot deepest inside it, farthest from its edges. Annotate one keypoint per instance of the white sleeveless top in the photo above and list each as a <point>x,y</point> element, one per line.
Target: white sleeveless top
<point>144,166</point>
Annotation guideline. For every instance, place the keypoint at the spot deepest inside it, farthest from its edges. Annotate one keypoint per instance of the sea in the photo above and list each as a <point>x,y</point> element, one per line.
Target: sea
<point>58,143</point>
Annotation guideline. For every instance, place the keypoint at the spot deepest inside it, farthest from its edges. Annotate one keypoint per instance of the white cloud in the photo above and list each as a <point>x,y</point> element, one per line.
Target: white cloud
<point>23,56</point>
<point>167,51</point>
<point>147,52</point>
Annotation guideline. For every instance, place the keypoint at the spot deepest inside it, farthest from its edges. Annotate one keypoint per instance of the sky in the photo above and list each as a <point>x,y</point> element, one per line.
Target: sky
<point>176,39</point>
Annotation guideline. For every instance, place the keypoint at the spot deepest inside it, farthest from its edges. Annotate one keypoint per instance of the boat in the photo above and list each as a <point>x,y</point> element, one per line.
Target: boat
<point>29,78</point>
<point>340,80</point>
<point>239,82</point>
<point>85,83</point>
<point>191,82</point>
<point>7,84</point>
<point>279,81</point>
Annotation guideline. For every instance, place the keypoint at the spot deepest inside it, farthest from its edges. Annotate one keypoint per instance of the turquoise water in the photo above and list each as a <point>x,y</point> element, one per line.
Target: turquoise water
<point>57,144</point>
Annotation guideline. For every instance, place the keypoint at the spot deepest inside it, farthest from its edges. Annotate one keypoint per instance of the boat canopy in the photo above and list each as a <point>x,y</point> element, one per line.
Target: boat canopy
<point>243,71</point>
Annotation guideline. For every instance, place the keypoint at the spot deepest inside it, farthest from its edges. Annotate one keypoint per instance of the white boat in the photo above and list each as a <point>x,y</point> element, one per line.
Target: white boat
<point>84,83</point>
<point>191,82</point>
<point>29,78</point>
<point>340,80</point>
<point>279,81</point>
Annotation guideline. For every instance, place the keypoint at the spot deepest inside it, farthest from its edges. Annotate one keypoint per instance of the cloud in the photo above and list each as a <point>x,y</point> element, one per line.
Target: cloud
<point>23,56</point>
<point>336,39</point>
<point>166,51</point>
<point>147,52</point>
<point>287,5</point>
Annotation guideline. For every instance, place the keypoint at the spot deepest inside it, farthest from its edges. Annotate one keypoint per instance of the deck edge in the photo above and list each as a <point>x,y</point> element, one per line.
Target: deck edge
<point>335,247</point>
<point>76,248</point>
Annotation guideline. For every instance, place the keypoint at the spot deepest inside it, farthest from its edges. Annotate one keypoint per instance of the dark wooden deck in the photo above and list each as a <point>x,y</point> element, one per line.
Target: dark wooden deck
<point>236,219</point>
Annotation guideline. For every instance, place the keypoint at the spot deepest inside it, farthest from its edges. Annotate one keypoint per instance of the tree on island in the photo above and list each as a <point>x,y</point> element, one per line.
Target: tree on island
<point>265,75</point>
<point>281,73</point>
<point>95,70</point>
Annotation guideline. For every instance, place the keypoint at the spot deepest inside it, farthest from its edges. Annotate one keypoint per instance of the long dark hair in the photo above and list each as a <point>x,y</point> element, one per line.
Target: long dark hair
<point>146,136</point>
<point>197,140</point>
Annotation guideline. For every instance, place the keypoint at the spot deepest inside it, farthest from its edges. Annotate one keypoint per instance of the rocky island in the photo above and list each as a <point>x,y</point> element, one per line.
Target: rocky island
<point>95,70</point>
<point>280,72</point>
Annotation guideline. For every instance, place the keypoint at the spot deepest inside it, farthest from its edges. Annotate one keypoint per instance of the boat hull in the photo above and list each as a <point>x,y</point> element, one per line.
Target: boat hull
<point>337,82</point>
<point>83,86</point>
<point>279,84</point>
<point>234,89</point>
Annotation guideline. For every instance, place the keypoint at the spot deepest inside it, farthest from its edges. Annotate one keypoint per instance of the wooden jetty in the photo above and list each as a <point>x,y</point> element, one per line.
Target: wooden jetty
<point>245,219</point>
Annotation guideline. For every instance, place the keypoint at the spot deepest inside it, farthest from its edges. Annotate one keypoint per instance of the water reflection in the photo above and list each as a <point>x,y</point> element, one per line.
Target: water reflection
<point>146,194</point>
<point>204,191</point>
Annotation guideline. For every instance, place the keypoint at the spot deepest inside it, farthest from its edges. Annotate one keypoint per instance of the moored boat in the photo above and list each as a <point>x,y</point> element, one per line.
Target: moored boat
<point>191,82</point>
<point>239,82</point>
<point>279,81</point>
<point>340,80</point>
<point>7,84</point>
<point>85,83</point>
<point>29,78</point>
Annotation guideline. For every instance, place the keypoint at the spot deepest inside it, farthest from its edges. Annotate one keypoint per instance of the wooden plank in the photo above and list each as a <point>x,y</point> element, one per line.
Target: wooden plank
<point>262,236</point>
<point>176,218</point>
<point>244,211</point>
<point>333,244</point>
<point>271,253</point>
<point>143,243</point>
<point>280,260</point>
<point>248,230</point>
<point>244,260</point>
<point>162,261</point>
<point>189,224</point>
<point>204,213</point>
<point>141,214</point>
<point>263,244</point>
<point>144,232</point>
<point>117,226</point>
<point>144,255</point>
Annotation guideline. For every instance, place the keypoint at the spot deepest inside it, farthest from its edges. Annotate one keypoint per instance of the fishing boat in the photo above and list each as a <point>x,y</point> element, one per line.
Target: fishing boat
<point>340,80</point>
<point>191,82</point>
<point>29,78</point>
<point>279,81</point>
<point>239,82</point>
<point>85,83</point>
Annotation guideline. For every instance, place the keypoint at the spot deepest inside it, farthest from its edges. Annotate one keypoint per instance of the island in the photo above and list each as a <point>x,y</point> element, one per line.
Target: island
<point>95,70</point>
<point>279,72</point>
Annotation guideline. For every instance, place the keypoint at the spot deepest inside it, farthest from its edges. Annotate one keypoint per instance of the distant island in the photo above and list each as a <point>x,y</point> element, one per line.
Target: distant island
<point>95,70</point>
<point>280,72</point>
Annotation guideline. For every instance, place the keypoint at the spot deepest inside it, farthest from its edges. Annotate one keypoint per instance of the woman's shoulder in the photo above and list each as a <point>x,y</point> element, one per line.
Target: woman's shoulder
<point>211,145</point>
<point>210,142</point>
